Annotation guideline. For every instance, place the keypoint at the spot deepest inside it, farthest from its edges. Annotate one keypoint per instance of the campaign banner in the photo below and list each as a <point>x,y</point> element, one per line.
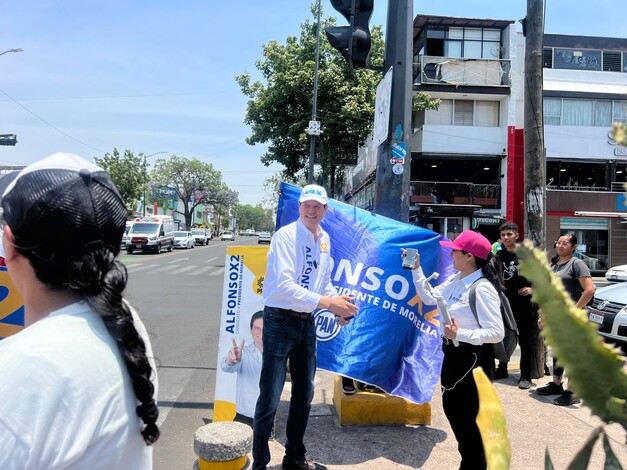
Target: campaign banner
<point>237,380</point>
<point>394,342</point>
<point>11,306</point>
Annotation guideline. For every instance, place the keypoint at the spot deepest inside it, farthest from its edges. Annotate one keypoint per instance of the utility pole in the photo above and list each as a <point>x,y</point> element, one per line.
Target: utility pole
<point>394,154</point>
<point>314,125</point>
<point>535,159</point>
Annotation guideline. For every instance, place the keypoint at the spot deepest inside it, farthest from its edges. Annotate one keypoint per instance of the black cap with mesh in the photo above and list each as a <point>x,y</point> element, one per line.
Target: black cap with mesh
<point>62,205</point>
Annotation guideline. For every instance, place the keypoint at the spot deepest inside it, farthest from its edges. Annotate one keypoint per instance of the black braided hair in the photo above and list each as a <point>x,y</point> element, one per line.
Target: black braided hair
<point>95,276</point>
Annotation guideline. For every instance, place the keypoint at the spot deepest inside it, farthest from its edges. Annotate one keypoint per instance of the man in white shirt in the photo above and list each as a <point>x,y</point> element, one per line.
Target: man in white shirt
<point>245,360</point>
<point>298,281</point>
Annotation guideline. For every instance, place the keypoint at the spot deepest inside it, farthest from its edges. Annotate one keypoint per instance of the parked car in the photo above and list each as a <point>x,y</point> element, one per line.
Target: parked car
<point>264,237</point>
<point>183,239</point>
<point>201,236</point>
<point>126,237</point>
<point>228,236</point>
<point>617,273</point>
<point>608,311</point>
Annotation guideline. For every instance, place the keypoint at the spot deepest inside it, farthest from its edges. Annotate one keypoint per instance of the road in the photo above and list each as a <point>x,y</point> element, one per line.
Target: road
<point>178,296</point>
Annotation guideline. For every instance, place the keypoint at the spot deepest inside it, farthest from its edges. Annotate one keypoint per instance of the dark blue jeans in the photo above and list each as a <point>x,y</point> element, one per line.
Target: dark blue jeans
<point>284,337</point>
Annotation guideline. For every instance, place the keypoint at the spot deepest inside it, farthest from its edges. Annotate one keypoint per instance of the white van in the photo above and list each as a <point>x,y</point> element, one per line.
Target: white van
<point>151,233</point>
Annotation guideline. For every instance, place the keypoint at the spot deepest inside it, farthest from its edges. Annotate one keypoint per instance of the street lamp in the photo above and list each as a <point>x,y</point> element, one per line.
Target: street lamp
<point>12,50</point>
<point>144,201</point>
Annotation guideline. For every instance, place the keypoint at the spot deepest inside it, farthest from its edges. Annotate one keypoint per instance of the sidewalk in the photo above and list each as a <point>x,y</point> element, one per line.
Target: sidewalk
<point>533,423</point>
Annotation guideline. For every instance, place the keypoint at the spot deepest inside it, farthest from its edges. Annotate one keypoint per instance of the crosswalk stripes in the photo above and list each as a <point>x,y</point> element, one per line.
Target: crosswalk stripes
<point>182,270</point>
<point>204,269</point>
<point>191,270</point>
<point>164,268</point>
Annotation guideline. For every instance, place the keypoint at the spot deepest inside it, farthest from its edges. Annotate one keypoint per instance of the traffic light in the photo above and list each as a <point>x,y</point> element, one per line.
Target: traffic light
<point>352,41</point>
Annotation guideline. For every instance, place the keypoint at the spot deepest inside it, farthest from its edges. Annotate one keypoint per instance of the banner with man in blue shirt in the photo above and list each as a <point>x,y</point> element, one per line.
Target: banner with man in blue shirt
<point>394,342</point>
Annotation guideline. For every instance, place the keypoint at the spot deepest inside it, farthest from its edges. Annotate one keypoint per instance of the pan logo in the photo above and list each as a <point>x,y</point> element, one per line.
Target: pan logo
<point>326,326</point>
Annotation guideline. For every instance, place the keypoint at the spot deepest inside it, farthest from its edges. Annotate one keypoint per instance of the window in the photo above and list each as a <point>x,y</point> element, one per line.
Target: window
<point>465,113</point>
<point>620,112</point>
<point>470,43</point>
<point>487,113</point>
<point>552,111</point>
<point>576,112</point>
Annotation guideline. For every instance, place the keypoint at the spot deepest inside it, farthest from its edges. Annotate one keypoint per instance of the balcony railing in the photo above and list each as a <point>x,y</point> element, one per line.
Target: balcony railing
<point>460,71</point>
<point>439,192</point>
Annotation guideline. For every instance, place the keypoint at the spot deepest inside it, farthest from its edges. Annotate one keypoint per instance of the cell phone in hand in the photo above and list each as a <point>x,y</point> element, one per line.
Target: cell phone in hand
<point>410,258</point>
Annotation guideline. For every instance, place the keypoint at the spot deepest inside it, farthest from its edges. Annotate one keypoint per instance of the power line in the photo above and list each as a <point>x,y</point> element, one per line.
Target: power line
<point>156,95</point>
<point>51,125</point>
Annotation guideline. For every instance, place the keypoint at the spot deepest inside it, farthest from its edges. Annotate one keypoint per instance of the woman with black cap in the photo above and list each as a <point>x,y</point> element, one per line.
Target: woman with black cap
<point>472,258</point>
<point>78,381</point>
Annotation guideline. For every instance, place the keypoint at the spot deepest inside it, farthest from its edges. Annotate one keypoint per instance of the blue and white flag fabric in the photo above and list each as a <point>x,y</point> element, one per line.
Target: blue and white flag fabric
<point>394,342</point>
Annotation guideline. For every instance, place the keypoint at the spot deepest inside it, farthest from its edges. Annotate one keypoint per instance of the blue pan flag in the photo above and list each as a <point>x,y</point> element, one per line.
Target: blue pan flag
<point>394,342</point>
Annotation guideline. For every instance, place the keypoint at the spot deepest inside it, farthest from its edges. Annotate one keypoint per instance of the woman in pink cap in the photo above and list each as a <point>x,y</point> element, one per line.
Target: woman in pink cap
<point>472,258</point>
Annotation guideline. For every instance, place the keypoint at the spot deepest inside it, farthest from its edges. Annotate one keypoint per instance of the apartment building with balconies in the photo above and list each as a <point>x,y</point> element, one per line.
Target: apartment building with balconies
<point>585,91</point>
<point>467,158</point>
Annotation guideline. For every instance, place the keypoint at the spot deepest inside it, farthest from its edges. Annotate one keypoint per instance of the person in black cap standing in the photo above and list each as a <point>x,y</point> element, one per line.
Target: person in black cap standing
<point>79,380</point>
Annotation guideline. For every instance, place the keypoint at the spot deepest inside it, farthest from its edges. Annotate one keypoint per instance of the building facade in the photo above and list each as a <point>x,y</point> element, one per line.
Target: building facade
<point>467,158</point>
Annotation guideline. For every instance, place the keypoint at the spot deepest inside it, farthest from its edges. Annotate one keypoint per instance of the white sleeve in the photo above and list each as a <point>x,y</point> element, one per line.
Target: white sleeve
<point>15,455</point>
<point>426,297</point>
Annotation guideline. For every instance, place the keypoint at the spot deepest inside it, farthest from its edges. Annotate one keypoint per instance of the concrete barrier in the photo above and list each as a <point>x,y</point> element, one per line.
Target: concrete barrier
<point>365,408</point>
<point>223,445</point>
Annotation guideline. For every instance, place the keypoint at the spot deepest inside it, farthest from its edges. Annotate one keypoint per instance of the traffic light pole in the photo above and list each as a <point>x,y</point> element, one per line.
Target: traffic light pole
<point>394,155</point>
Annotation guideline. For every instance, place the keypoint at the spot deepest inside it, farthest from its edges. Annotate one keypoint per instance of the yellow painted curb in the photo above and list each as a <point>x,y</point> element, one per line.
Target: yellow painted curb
<point>365,408</point>
<point>235,464</point>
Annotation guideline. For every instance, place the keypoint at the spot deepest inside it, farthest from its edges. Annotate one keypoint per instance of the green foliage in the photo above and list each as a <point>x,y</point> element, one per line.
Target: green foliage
<point>422,101</point>
<point>195,183</point>
<point>248,216</point>
<point>255,217</point>
<point>594,368</point>
<point>127,173</point>
<point>619,133</point>
<point>491,424</point>
<point>281,104</point>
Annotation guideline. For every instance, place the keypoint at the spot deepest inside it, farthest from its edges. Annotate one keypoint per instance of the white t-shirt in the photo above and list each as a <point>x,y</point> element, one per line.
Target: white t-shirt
<point>66,398</point>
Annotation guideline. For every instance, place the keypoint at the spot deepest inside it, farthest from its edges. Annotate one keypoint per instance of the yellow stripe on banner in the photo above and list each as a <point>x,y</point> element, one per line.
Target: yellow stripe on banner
<point>7,329</point>
<point>236,464</point>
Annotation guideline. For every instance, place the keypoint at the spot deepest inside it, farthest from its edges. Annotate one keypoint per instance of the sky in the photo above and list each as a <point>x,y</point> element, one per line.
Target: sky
<point>156,76</point>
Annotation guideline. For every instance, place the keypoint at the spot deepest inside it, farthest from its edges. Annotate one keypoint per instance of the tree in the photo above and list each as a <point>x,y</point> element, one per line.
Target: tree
<point>249,216</point>
<point>280,107</point>
<point>194,182</point>
<point>127,173</point>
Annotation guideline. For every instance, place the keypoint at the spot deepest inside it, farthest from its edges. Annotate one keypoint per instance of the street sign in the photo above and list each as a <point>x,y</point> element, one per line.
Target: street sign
<point>382,109</point>
<point>314,128</point>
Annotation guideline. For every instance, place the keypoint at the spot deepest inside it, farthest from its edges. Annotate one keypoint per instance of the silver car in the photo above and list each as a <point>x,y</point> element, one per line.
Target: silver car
<point>264,237</point>
<point>183,239</point>
<point>609,311</point>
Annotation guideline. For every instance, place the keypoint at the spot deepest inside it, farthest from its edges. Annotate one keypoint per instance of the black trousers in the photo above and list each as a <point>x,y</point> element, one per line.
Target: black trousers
<point>460,399</point>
